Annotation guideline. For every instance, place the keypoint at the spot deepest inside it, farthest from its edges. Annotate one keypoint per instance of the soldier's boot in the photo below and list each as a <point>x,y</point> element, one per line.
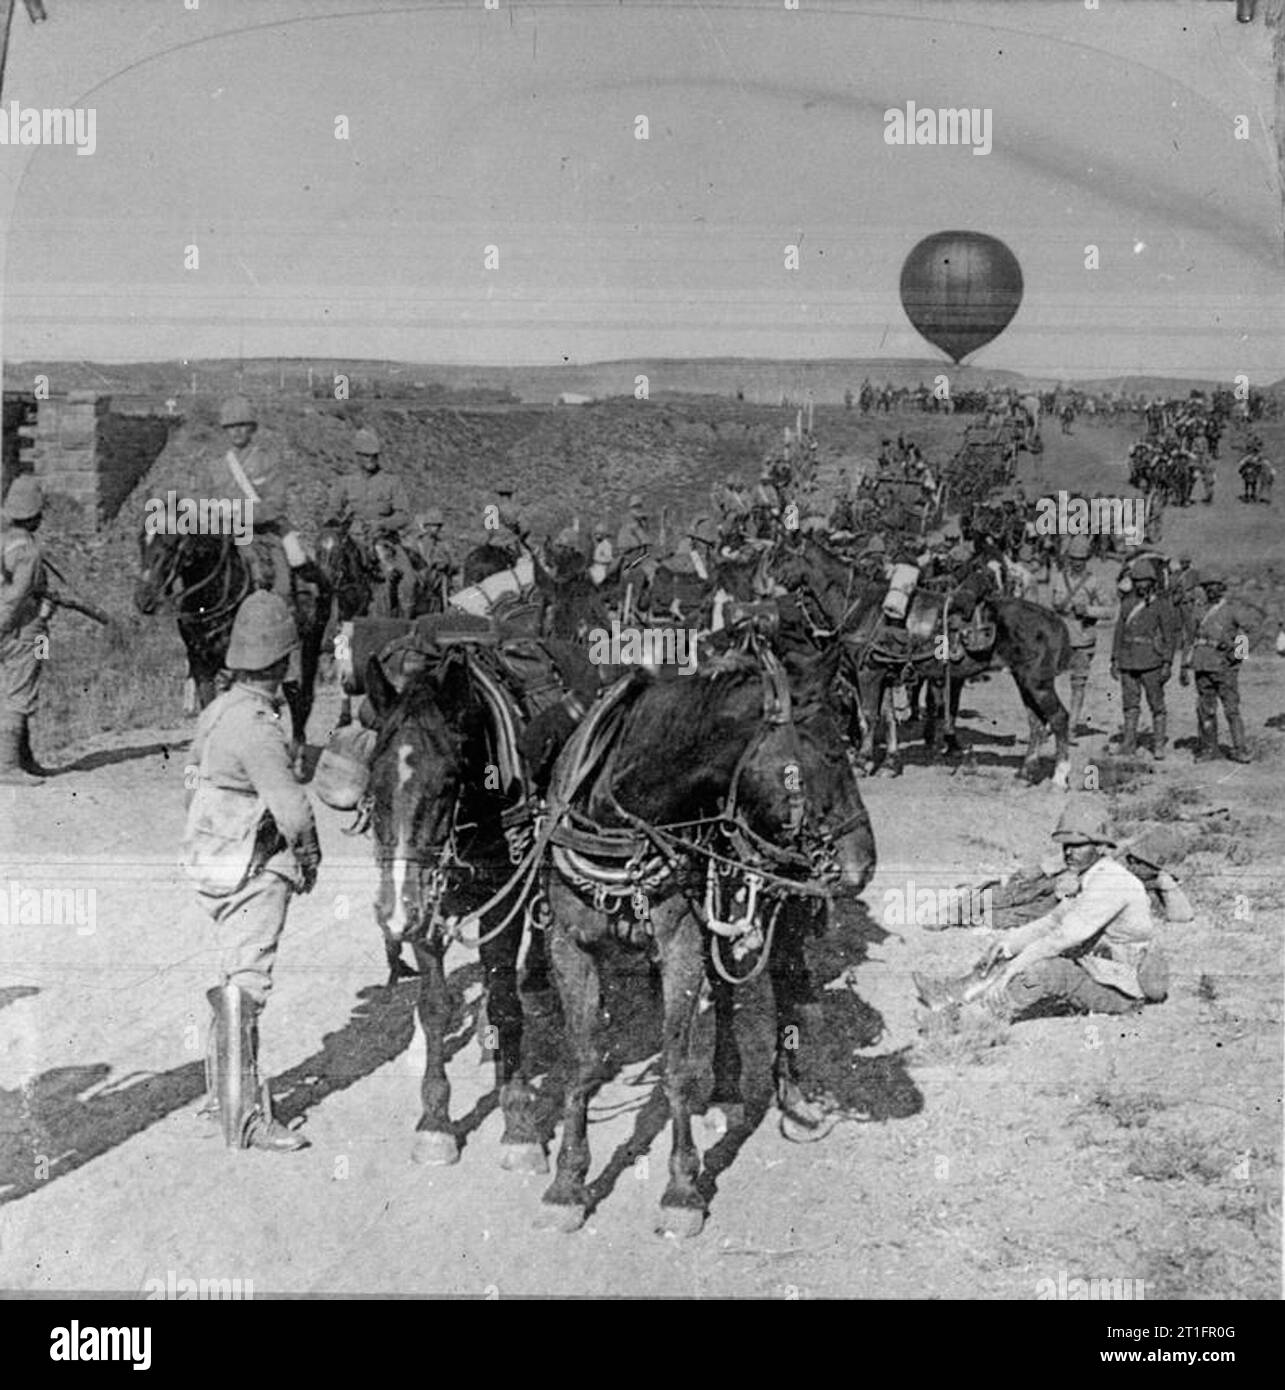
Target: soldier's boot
<point>244,1103</point>
<point>1159,737</point>
<point>12,772</point>
<point>1077,708</point>
<point>1207,731</point>
<point>1239,752</point>
<point>1129,738</point>
<point>26,757</point>
<point>938,993</point>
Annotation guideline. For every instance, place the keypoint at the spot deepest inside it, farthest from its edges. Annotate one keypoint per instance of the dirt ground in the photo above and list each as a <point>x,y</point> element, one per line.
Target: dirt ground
<point>993,1158</point>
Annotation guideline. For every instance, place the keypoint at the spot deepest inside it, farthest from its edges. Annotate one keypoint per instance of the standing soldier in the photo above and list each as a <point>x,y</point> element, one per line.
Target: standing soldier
<point>373,505</point>
<point>24,623</point>
<point>1147,637</point>
<point>1077,597</point>
<point>513,522</point>
<point>257,474</point>
<point>1250,469</point>
<point>1217,638</point>
<point>604,554</point>
<point>250,843</point>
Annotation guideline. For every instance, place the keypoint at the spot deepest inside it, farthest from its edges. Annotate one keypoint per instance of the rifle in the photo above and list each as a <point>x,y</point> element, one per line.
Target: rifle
<point>79,605</point>
<point>71,601</point>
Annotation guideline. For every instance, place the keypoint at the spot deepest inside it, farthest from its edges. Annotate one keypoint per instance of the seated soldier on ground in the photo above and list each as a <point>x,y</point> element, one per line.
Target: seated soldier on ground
<point>1094,952</point>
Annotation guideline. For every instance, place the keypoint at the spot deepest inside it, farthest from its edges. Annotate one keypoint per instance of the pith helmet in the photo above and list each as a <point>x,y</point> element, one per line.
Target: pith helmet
<point>237,410</point>
<point>1079,548</point>
<point>703,529</point>
<point>1211,574</point>
<point>262,634</point>
<point>24,500</point>
<point>1158,846</point>
<point>1145,569</point>
<point>635,501</point>
<point>432,517</point>
<point>1083,823</point>
<point>366,443</point>
<point>504,487</point>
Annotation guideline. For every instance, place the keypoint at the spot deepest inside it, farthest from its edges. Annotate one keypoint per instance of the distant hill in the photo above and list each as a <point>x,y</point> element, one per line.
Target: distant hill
<point>762,381</point>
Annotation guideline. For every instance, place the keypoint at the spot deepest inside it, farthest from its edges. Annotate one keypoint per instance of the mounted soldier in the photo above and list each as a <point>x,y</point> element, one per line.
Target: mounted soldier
<point>440,564</point>
<point>374,509</point>
<point>256,473</point>
<point>1217,638</point>
<point>514,525</point>
<point>634,539</point>
<point>250,843</point>
<point>24,627</point>
<point>603,560</point>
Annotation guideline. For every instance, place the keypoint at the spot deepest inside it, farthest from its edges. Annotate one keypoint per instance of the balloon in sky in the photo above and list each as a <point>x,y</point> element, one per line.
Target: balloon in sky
<point>960,290</point>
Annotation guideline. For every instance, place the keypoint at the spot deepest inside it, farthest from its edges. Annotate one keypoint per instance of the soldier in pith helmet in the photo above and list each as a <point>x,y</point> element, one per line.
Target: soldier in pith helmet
<point>256,473</point>
<point>24,624</point>
<point>250,844</point>
<point>1080,600</point>
<point>1218,636</point>
<point>1094,952</point>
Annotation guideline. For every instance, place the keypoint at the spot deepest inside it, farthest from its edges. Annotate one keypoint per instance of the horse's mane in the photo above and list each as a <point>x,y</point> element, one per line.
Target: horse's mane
<point>420,704</point>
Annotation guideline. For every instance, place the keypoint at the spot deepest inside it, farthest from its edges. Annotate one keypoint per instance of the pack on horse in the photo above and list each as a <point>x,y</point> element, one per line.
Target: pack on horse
<point>946,638</point>
<point>709,819</point>
<point>207,576</point>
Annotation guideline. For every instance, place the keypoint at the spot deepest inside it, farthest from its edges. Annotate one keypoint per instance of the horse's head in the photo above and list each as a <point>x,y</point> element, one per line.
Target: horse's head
<point>427,766</point>
<point>797,789</point>
<point>159,556</point>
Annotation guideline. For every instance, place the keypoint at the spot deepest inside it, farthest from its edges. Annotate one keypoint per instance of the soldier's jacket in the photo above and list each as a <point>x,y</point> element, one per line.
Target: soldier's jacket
<point>22,583</point>
<point>247,809</point>
<point>377,501</point>
<point>1212,639</point>
<point>265,469</point>
<point>1079,600</point>
<point>633,535</point>
<point>1147,635</point>
<point>438,555</point>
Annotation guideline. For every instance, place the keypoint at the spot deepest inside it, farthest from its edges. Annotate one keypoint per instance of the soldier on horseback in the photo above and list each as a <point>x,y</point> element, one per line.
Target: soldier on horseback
<point>256,473</point>
<point>373,507</point>
<point>439,560</point>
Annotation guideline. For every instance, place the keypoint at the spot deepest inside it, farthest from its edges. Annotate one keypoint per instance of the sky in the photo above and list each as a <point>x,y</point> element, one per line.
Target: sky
<point>516,129</point>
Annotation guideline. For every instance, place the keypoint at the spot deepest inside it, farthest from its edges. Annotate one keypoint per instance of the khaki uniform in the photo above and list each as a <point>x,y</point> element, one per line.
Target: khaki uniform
<point>23,622</point>
<point>1212,656</point>
<point>265,471</point>
<point>633,536</point>
<point>1147,637</point>
<point>245,816</point>
<point>1087,953</point>
<point>1079,602</point>
<point>377,511</point>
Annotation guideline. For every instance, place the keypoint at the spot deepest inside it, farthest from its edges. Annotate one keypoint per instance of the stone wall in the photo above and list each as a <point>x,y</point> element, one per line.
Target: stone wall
<point>82,450</point>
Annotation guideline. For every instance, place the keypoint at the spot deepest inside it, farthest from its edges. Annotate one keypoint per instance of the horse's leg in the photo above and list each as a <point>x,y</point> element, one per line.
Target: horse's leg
<point>523,1151</point>
<point>798,1021</point>
<point>1046,710</point>
<point>682,1207</point>
<point>869,698</point>
<point>727,1095</point>
<point>952,743</point>
<point>435,1141</point>
<point>888,712</point>
<point>575,968</point>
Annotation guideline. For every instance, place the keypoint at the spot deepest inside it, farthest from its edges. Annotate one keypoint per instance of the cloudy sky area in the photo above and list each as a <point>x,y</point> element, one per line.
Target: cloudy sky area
<point>516,128</point>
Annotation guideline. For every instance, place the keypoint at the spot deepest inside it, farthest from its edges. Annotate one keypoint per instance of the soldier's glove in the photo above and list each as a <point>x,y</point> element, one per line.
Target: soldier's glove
<point>1184,676</point>
<point>307,853</point>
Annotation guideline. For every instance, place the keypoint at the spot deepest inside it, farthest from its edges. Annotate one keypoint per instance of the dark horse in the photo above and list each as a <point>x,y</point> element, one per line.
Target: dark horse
<point>1030,641</point>
<point>777,798</point>
<point>208,576</point>
<point>439,821</point>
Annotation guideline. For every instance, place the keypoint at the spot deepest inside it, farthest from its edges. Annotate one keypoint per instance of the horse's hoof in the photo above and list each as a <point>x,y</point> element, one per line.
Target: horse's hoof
<point>434,1149</point>
<point>561,1219</point>
<point>524,1158</point>
<point>1062,777</point>
<point>680,1222</point>
<point>721,1117</point>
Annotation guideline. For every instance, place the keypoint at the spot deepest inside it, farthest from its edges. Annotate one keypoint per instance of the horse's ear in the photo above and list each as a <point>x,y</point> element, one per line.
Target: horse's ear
<point>379,689</point>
